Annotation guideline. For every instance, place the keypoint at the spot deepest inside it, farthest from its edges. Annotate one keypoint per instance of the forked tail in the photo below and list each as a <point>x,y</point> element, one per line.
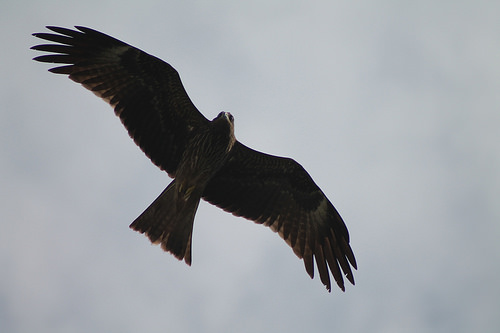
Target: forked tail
<point>169,222</point>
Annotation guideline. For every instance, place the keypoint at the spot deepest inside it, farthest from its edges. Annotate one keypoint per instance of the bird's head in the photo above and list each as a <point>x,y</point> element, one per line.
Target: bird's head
<point>226,120</point>
<point>226,115</point>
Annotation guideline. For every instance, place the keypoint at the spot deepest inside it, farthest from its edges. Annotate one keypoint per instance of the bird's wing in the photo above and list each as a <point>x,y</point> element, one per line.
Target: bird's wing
<point>280,194</point>
<point>146,93</point>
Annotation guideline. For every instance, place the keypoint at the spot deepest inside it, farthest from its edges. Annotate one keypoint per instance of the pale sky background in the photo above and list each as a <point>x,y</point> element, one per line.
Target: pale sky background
<point>393,107</point>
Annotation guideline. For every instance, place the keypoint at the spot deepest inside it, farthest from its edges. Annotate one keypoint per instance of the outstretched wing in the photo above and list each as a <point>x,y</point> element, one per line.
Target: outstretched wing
<point>280,194</point>
<point>146,93</point>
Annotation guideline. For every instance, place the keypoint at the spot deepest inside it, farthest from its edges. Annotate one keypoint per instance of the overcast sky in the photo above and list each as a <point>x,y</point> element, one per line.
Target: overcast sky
<point>393,107</point>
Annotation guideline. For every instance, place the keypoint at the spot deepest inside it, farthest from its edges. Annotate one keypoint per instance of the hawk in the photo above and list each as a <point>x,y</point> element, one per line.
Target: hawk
<point>202,156</point>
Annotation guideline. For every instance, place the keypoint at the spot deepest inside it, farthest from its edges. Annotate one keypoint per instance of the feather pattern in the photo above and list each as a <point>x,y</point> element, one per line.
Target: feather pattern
<point>145,92</point>
<point>279,193</point>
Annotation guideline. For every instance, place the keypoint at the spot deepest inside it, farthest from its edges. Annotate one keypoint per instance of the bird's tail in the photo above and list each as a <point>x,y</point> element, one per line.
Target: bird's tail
<point>169,221</point>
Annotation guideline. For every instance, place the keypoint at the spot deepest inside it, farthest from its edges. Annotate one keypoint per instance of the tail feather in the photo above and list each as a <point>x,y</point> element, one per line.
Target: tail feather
<point>169,222</point>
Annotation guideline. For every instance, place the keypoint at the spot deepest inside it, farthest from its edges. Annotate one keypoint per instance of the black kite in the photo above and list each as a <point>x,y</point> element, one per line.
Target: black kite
<point>203,157</point>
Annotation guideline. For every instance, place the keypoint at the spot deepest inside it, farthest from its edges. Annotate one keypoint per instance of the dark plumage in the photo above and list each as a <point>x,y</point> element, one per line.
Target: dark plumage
<point>202,156</point>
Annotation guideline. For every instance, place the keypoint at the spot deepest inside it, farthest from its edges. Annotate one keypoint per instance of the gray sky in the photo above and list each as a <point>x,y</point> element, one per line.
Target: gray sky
<point>392,107</point>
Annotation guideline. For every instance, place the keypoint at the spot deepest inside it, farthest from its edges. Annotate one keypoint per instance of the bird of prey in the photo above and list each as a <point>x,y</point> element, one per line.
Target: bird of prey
<point>203,156</point>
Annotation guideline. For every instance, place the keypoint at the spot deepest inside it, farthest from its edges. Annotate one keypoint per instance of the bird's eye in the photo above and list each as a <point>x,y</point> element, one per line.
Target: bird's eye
<point>231,118</point>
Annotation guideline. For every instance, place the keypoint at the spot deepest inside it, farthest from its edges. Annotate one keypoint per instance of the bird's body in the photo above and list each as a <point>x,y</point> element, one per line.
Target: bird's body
<point>169,219</point>
<point>204,157</point>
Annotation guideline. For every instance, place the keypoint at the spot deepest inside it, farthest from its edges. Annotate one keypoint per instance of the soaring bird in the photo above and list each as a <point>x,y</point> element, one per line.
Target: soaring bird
<point>202,156</point>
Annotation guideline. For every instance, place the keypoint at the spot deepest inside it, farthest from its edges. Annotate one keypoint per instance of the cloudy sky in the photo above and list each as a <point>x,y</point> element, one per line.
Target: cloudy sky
<point>392,107</point>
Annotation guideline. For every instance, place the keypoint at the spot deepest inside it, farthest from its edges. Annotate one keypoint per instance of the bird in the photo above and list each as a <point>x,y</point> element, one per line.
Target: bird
<point>202,156</point>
